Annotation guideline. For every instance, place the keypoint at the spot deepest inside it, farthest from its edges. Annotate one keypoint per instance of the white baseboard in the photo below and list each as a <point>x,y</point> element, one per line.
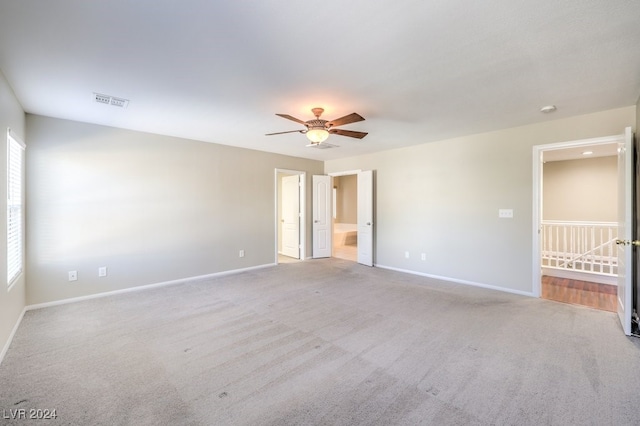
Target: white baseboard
<point>582,276</point>
<point>458,281</point>
<point>144,287</point>
<point>11,335</point>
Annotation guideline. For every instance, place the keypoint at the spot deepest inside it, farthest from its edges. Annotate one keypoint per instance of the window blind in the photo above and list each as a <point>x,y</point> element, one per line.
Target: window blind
<point>15,149</point>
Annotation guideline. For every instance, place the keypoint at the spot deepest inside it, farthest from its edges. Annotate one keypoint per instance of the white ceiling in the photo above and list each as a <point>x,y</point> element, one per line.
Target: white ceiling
<point>417,70</point>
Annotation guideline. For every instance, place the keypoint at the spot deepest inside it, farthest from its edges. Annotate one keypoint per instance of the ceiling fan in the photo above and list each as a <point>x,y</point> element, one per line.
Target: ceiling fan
<point>318,130</point>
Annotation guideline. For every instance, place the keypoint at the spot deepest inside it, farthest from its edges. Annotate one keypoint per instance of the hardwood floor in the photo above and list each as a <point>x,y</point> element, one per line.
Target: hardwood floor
<point>585,293</point>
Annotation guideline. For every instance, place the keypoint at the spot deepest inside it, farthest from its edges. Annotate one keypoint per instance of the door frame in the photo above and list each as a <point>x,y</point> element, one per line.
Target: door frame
<point>338,174</point>
<point>302,210</point>
<point>538,152</point>
<point>358,172</point>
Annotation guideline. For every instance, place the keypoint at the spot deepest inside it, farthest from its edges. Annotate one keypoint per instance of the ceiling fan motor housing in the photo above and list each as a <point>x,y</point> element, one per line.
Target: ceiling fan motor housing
<point>316,124</point>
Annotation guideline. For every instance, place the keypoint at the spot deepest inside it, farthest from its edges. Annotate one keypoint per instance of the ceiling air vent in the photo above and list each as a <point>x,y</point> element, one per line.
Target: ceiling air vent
<point>102,99</point>
<point>111,100</point>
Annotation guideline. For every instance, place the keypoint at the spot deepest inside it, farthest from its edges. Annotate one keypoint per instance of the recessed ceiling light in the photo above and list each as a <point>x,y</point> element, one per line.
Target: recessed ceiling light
<point>547,109</point>
<point>587,153</point>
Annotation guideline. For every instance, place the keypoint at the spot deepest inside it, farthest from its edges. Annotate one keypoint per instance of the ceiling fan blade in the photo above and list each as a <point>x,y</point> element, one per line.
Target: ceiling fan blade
<point>289,131</point>
<point>351,118</point>
<point>350,133</point>
<point>288,117</point>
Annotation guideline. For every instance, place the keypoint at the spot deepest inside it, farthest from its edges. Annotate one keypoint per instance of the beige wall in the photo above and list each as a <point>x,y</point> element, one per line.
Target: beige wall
<point>12,302</point>
<point>442,199</point>
<point>150,208</point>
<point>346,198</point>
<point>581,190</point>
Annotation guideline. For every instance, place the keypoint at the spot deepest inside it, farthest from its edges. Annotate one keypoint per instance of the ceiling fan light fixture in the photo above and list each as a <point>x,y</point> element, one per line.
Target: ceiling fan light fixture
<point>317,135</point>
<point>318,130</point>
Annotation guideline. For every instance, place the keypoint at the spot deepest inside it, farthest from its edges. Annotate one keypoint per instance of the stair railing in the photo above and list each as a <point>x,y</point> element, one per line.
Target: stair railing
<point>580,246</point>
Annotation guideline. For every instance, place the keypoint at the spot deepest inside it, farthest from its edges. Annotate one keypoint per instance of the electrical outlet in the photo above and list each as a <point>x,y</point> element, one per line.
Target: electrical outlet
<point>102,271</point>
<point>73,275</point>
<point>241,253</point>
<point>505,213</point>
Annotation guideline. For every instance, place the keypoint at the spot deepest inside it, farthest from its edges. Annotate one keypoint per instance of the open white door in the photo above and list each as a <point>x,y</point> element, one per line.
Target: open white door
<point>322,227</point>
<point>625,229</point>
<point>365,217</point>
<point>291,216</point>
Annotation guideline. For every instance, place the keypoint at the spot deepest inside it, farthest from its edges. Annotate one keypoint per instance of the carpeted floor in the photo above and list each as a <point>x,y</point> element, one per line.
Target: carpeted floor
<point>324,342</point>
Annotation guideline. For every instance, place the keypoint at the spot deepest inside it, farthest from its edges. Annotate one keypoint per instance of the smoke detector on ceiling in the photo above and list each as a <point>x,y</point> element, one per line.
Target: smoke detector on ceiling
<point>110,100</point>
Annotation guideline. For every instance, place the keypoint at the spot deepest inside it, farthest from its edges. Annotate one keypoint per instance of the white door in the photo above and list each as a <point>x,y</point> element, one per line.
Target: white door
<point>291,216</point>
<point>625,230</point>
<point>365,217</point>
<point>322,226</point>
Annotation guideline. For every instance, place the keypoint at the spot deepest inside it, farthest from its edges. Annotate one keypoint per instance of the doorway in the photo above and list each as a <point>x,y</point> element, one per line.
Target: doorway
<point>579,250</point>
<point>345,217</point>
<point>579,225</point>
<point>290,215</point>
<point>323,195</point>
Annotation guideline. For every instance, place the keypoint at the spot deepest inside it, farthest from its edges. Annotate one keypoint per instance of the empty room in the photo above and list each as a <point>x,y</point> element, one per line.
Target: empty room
<point>342,213</point>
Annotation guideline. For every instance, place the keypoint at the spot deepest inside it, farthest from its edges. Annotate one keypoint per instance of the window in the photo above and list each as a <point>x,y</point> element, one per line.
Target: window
<point>15,148</point>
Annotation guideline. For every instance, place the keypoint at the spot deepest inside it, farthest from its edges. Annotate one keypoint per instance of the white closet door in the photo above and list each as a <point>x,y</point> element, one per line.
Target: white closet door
<point>291,216</point>
<point>625,229</point>
<point>322,226</point>
<point>365,217</point>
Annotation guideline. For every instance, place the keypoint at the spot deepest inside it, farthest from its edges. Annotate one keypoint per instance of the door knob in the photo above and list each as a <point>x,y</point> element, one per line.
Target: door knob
<point>635,242</point>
